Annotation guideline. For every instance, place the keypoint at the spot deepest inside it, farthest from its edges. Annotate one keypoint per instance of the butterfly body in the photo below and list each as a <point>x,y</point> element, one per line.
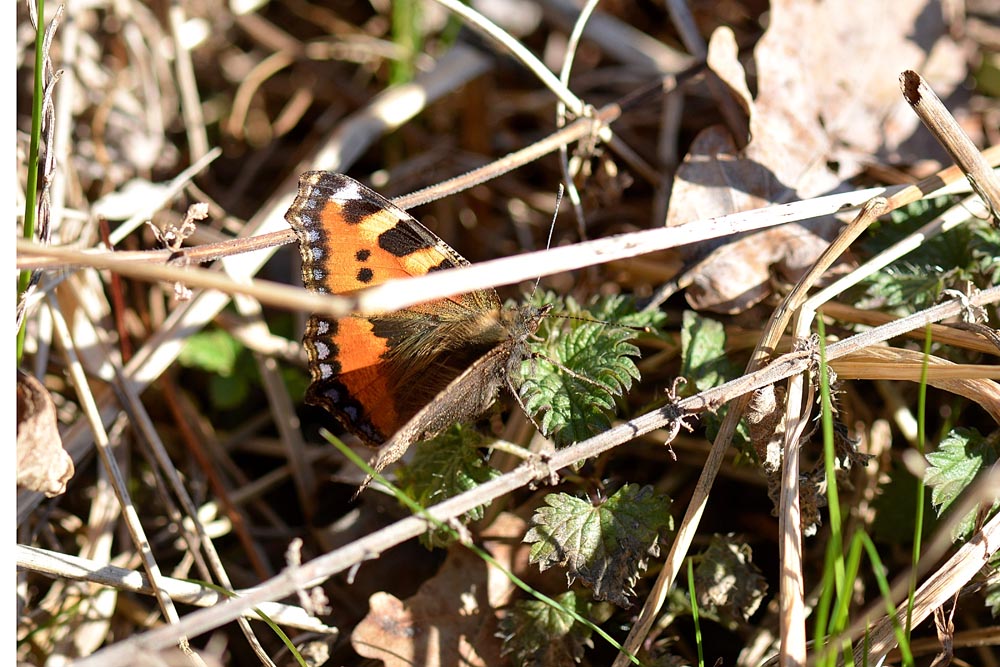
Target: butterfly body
<point>397,378</point>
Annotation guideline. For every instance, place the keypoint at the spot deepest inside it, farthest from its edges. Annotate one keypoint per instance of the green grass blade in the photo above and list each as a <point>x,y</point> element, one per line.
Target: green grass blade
<point>694,614</point>
<point>918,526</point>
<point>31,189</point>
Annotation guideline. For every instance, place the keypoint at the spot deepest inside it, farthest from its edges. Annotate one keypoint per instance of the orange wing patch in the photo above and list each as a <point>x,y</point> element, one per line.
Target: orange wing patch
<point>350,239</point>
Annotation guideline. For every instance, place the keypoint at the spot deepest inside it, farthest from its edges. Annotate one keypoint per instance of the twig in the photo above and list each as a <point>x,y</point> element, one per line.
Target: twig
<point>528,266</point>
<point>567,67</point>
<point>620,40</point>
<point>268,292</point>
<point>176,184</point>
<point>65,566</point>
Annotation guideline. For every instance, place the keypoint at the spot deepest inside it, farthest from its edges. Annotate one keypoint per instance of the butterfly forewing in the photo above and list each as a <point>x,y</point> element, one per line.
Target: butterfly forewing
<point>375,374</point>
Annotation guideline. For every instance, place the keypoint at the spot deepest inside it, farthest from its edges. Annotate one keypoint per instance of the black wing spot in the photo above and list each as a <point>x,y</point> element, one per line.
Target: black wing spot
<point>365,275</point>
<point>401,243</point>
<point>355,211</point>
<point>363,255</point>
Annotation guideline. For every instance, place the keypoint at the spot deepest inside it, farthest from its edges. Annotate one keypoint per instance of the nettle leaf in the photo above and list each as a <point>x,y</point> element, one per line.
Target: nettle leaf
<point>606,546</point>
<point>571,408</point>
<point>535,633</point>
<point>965,253</point>
<point>703,355</point>
<point>725,578</point>
<point>704,365</point>
<point>904,287</point>
<point>959,458</point>
<point>985,248</point>
<point>442,467</point>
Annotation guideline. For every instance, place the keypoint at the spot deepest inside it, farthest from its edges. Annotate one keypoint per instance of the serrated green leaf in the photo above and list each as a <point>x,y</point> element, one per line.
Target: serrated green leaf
<point>965,253</point>
<point>953,467</point>
<point>536,634</point>
<point>606,546</point>
<point>213,351</point>
<point>726,578</point>
<point>904,287</point>
<point>569,407</point>
<point>445,466</point>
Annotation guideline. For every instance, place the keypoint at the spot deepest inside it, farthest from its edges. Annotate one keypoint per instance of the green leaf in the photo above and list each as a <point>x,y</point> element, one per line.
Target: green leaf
<point>442,467</point>
<point>726,578</point>
<point>896,509</point>
<point>953,467</point>
<point>537,634</point>
<point>605,546</point>
<point>213,351</point>
<point>228,392</point>
<point>703,356</point>
<point>704,365</point>
<point>965,253</point>
<point>571,408</point>
<point>993,587</point>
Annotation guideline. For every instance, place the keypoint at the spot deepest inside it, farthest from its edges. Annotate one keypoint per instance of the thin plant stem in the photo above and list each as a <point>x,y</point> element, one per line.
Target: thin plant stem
<point>918,528</point>
<point>31,189</point>
<point>694,614</point>
<point>829,460</point>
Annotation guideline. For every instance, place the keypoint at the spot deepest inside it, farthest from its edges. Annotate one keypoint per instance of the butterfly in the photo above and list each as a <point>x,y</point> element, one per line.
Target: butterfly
<point>397,378</point>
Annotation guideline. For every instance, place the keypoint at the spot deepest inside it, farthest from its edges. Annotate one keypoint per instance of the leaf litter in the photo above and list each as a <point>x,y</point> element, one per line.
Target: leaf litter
<point>817,85</point>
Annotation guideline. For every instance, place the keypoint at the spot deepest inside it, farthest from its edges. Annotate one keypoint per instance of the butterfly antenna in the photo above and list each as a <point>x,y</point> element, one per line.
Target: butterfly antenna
<point>552,229</point>
<point>617,325</point>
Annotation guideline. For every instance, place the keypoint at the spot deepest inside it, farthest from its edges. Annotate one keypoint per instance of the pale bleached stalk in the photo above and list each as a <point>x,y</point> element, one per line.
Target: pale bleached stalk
<point>518,50</point>
<point>129,513</point>
<point>64,566</point>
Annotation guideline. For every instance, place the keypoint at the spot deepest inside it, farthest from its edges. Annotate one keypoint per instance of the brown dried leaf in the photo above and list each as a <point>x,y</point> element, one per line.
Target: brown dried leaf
<point>451,620</point>
<point>826,77</point>
<point>42,463</point>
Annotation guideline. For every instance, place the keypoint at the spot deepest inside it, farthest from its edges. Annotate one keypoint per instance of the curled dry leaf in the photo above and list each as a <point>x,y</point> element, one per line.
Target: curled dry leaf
<point>42,463</point>
<point>823,106</point>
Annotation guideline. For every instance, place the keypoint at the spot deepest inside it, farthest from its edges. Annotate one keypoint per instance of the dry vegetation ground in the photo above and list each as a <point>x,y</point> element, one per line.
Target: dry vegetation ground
<point>177,393</point>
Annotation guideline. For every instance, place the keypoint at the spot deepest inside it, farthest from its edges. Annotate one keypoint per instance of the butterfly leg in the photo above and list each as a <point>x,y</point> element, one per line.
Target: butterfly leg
<point>568,371</point>
<point>524,409</point>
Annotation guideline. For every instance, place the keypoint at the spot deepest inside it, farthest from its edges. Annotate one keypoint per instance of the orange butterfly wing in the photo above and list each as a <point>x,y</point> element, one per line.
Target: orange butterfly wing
<point>374,374</point>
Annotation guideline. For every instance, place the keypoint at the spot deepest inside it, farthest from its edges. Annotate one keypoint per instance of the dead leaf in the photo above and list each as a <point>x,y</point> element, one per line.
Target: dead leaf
<point>824,98</point>
<point>42,463</point>
<point>451,620</point>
